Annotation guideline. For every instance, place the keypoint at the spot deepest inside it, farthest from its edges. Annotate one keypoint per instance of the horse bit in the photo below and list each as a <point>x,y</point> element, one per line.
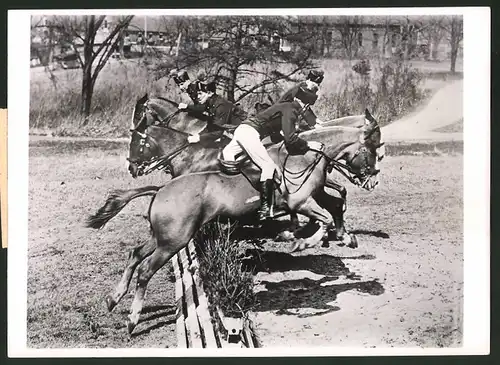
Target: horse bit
<point>161,162</point>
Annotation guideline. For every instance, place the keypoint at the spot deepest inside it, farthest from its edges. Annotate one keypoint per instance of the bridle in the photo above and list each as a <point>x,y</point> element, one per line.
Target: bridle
<point>363,177</point>
<point>154,163</point>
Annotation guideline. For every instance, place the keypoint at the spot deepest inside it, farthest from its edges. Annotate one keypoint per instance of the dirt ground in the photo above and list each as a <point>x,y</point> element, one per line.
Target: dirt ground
<point>72,268</point>
<point>403,286</point>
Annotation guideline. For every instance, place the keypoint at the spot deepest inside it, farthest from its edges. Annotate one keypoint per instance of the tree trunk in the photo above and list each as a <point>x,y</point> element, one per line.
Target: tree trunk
<point>456,35</point>
<point>87,89</point>
<point>454,53</point>
<point>233,68</point>
<point>121,44</point>
<point>232,85</point>
<point>87,84</point>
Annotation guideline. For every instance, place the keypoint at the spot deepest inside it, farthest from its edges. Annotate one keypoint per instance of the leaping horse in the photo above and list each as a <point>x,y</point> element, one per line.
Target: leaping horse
<point>184,204</point>
<point>167,148</point>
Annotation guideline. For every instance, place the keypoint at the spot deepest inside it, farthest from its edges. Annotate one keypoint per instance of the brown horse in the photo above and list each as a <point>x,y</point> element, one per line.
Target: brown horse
<point>148,144</point>
<point>181,207</point>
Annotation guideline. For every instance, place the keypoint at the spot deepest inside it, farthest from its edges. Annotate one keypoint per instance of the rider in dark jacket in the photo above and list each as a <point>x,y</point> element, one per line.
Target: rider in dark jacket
<point>313,81</point>
<point>248,137</point>
<point>220,114</point>
<point>209,106</point>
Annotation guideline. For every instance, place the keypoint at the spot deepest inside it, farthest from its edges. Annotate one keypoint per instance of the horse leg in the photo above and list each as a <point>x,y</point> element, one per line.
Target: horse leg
<point>147,269</point>
<point>314,211</point>
<point>289,234</point>
<point>331,183</point>
<point>136,256</point>
<point>336,207</point>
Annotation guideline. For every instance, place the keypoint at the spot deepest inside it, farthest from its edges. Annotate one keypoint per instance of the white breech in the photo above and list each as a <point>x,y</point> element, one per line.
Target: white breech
<point>247,139</point>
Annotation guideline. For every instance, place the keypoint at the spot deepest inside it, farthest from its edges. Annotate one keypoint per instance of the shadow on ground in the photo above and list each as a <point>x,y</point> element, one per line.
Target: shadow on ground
<point>304,292</point>
<point>155,317</point>
<point>365,232</point>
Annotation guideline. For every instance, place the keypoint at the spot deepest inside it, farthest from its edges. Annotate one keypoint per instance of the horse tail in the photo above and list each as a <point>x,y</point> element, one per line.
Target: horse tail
<point>116,201</point>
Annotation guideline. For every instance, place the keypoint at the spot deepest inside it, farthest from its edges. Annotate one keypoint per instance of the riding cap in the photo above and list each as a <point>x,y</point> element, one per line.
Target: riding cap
<point>200,84</point>
<point>316,76</point>
<point>180,77</point>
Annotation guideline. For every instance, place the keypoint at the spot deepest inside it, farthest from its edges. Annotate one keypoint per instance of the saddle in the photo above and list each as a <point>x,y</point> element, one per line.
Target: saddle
<point>235,167</point>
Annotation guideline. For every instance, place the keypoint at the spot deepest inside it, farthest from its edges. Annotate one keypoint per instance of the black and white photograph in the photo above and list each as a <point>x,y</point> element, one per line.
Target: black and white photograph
<point>249,182</point>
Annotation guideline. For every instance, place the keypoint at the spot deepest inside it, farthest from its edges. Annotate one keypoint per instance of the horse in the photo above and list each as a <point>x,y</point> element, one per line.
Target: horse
<point>187,202</point>
<point>154,149</point>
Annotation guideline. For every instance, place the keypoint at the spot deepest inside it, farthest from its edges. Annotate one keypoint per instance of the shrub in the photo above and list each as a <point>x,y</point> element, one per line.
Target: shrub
<point>55,99</point>
<point>227,284</point>
<point>390,91</point>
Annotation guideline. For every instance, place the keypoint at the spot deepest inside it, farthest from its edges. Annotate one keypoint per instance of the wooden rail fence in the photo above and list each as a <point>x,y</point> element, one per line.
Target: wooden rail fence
<point>194,325</point>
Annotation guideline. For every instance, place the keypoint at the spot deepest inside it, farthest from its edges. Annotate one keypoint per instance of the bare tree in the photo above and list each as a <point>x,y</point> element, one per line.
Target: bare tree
<point>433,34</point>
<point>243,52</point>
<point>454,29</point>
<point>348,27</point>
<point>80,32</point>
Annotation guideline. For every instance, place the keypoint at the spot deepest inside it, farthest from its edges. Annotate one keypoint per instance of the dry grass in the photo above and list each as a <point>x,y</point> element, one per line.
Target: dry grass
<point>71,268</point>
<point>228,285</point>
<point>54,102</point>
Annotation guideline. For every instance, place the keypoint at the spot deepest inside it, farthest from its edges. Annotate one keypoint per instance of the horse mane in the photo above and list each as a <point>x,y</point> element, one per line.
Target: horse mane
<point>348,121</point>
<point>174,103</point>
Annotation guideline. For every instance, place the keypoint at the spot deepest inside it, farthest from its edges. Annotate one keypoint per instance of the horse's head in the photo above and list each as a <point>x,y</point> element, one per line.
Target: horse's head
<point>158,128</point>
<point>141,148</point>
<point>358,143</point>
<point>363,156</point>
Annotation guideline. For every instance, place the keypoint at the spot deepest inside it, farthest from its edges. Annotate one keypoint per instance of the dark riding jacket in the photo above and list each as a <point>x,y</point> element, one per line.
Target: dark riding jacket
<point>218,112</point>
<point>280,117</point>
<point>289,96</point>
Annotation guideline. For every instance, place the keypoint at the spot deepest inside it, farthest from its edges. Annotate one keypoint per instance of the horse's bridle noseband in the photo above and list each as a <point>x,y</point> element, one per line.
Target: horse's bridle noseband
<point>346,170</point>
<point>160,162</point>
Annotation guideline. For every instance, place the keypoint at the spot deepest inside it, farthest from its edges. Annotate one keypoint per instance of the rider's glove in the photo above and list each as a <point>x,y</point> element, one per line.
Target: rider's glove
<point>194,138</point>
<point>182,106</point>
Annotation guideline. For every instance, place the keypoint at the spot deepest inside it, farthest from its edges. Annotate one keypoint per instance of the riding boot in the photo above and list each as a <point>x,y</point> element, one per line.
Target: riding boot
<point>266,199</point>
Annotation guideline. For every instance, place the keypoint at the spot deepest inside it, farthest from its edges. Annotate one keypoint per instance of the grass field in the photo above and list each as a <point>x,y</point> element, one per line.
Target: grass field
<point>54,103</point>
<point>405,283</point>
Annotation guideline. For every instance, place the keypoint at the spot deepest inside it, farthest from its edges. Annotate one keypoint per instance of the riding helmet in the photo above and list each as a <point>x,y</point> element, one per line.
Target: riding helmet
<point>179,77</point>
<point>316,76</point>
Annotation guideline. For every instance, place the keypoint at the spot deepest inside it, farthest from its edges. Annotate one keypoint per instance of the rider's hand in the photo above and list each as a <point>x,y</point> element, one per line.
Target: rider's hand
<point>313,145</point>
<point>195,138</point>
<point>182,106</point>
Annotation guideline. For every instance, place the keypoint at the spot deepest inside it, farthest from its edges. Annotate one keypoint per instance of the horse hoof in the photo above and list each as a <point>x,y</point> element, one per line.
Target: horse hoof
<point>354,241</point>
<point>299,246</point>
<point>130,327</point>
<point>110,303</point>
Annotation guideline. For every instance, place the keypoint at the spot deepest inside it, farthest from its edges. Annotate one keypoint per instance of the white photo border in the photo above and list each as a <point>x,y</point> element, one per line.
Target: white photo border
<point>477,34</point>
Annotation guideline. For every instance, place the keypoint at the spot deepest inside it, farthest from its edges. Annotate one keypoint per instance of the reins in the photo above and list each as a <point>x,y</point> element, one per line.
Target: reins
<point>297,175</point>
<point>164,161</point>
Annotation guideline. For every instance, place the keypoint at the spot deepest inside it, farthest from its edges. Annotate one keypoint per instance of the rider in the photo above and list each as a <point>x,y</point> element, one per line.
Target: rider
<point>221,114</point>
<point>182,80</point>
<point>281,117</point>
<point>313,80</point>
